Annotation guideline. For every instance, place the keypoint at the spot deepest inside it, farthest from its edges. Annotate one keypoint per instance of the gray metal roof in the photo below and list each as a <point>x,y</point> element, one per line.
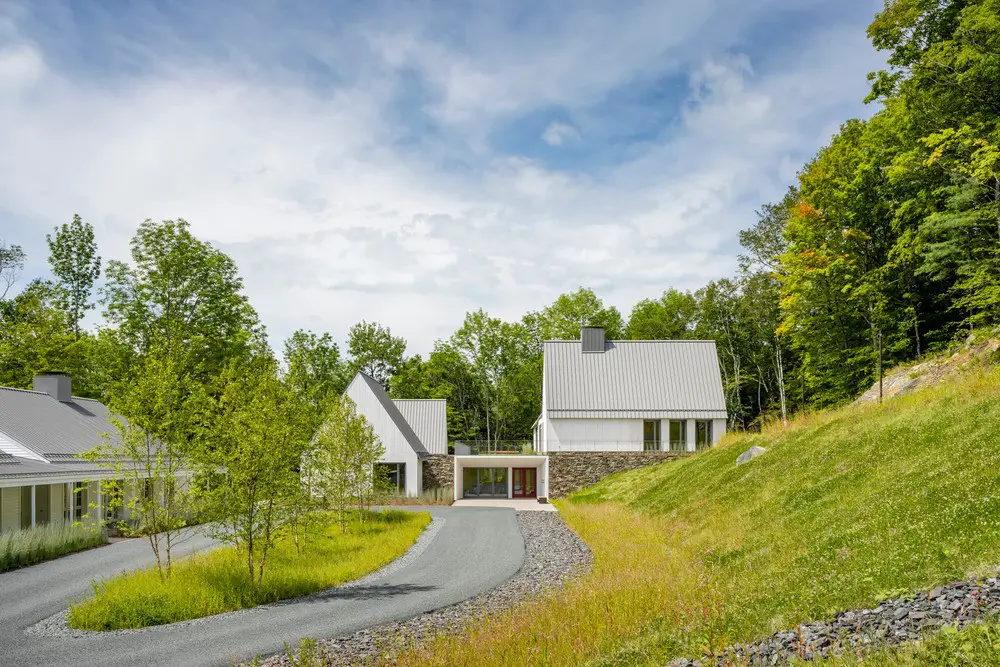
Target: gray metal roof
<point>16,467</point>
<point>429,419</point>
<point>394,414</point>
<point>634,379</point>
<point>50,428</point>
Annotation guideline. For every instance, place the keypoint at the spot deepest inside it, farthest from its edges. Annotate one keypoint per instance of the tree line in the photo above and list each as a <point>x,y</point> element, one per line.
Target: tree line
<point>886,248</point>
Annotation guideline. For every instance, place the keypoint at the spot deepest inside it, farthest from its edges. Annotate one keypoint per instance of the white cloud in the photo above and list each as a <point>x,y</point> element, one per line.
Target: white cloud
<point>558,133</point>
<point>332,221</point>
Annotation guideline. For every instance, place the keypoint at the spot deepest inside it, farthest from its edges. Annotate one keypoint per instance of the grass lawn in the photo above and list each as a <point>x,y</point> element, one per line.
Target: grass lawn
<point>845,509</point>
<point>28,546</point>
<point>217,581</point>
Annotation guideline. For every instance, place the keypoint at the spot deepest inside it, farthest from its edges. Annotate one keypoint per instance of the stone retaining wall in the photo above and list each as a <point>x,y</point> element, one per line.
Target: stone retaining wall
<point>439,471</point>
<point>571,471</point>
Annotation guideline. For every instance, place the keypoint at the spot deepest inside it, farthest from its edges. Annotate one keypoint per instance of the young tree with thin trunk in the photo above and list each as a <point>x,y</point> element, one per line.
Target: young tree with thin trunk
<point>260,431</point>
<point>76,265</point>
<point>156,415</point>
<point>343,457</point>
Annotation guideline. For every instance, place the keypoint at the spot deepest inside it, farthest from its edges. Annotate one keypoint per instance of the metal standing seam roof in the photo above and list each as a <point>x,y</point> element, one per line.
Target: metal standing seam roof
<point>429,420</point>
<point>394,414</point>
<point>635,379</point>
<point>50,428</point>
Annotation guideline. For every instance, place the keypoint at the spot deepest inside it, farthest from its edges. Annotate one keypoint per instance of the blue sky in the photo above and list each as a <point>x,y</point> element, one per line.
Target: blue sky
<point>408,162</point>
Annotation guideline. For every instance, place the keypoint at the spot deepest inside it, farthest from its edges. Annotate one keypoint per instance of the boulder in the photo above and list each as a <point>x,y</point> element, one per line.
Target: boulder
<point>749,455</point>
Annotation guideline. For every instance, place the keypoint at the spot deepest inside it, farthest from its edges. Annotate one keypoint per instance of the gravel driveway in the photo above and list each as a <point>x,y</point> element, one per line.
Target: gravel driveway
<point>475,550</point>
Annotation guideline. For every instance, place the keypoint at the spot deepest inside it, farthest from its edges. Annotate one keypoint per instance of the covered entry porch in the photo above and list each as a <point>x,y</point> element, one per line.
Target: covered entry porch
<point>501,476</point>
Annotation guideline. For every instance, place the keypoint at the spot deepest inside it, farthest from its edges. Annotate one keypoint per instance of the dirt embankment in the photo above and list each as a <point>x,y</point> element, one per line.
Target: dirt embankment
<point>928,373</point>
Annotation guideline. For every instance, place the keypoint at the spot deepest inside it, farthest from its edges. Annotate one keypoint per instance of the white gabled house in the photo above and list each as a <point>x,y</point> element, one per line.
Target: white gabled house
<point>600,395</point>
<point>608,396</point>
<point>410,430</point>
<point>43,432</point>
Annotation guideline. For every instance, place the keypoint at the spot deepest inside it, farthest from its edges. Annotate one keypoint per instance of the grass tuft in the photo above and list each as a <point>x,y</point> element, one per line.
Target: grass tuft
<point>215,582</point>
<point>29,546</point>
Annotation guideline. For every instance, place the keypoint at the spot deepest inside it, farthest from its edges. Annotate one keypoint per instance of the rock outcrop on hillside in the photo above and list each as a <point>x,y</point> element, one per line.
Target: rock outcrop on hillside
<point>932,371</point>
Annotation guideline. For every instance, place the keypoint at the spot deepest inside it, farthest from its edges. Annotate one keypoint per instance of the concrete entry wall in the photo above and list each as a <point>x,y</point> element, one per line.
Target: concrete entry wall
<point>571,471</point>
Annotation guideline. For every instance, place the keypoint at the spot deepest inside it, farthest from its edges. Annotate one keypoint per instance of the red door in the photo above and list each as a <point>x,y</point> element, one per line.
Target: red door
<point>523,482</point>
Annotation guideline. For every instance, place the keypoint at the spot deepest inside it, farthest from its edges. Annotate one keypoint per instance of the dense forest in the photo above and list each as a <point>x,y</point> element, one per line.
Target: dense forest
<point>885,249</point>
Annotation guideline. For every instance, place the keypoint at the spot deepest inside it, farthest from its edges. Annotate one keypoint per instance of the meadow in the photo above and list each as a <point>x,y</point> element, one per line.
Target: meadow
<point>217,581</point>
<point>846,508</point>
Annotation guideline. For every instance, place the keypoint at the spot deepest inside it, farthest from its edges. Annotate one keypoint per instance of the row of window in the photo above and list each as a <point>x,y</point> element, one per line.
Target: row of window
<point>677,435</point>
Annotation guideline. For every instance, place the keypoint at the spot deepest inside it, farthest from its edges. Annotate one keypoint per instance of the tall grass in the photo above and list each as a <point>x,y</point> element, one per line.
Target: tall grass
<point>28,546</point>
<point>215,582</point>
<point>845,509</point>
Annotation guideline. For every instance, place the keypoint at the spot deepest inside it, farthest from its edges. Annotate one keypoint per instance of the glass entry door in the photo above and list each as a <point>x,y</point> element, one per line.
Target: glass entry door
<point>484,483</point>
<point>524,482</point>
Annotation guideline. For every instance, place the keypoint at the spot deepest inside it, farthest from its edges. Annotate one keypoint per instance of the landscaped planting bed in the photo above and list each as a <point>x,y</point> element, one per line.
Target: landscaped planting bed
<point>216,582</point>
<point>28,546</point>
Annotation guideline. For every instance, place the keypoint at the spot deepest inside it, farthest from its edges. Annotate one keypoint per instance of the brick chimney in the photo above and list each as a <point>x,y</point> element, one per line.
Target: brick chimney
<point>56,384</point>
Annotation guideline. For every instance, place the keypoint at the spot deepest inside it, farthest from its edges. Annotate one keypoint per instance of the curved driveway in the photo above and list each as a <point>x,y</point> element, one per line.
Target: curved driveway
<point>475,550</point>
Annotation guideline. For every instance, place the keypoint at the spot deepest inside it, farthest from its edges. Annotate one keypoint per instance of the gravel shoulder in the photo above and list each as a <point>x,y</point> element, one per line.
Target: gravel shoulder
<point>553,554</point>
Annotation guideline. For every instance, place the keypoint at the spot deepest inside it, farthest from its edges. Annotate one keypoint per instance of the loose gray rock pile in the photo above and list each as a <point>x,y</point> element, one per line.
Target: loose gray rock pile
<point>553,553</point>
<point>893,622</point>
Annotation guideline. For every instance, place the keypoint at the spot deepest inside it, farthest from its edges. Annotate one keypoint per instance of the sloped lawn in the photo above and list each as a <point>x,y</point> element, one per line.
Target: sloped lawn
<point>215,582</point>
<point>845,509</point>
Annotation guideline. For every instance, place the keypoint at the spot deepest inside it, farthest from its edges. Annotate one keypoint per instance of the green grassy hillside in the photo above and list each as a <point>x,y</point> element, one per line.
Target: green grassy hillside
<point>845,508</point>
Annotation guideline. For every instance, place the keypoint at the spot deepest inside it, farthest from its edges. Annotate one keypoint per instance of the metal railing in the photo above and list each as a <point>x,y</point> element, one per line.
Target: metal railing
<point>494,447</point>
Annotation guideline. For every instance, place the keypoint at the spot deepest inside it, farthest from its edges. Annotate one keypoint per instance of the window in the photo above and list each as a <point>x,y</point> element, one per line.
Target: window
<point>702,434</point>
<point>678,435</point>
<point>78,503</point>
<point>394,474</point>
<point>650,436</point>
<point>484,482</point>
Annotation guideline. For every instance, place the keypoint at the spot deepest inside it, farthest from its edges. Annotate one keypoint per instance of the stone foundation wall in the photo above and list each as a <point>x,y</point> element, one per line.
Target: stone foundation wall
<point>439,471</point>
<point>571,471</point>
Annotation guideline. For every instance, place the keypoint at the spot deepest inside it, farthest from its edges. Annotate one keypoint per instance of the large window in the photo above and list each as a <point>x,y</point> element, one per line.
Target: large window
<point>702,434</point>
<point>678,435</point>
<point>484,482</point>
<point>651,435</point>
<point>394,474</point>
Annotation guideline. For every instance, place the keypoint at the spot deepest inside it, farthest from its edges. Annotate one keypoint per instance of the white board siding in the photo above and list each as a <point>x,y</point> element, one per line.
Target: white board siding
<point>397,449</point>
<point>613,435</point>
<point>593,435</point>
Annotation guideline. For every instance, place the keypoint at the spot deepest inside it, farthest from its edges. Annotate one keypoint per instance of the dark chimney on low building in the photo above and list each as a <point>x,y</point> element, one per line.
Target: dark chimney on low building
<point>55,384</point>
<point>592,339</point>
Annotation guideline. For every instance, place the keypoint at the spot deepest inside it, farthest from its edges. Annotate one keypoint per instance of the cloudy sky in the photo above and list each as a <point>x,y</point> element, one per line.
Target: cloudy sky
<point>410,161</point>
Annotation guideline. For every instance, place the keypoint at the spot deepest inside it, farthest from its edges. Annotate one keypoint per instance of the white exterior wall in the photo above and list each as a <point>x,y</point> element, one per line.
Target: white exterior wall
<point>613,435</point>
<point>397,449</point>
<point>593,435</point>
<point>718,430</point>
<point>10,508</point>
